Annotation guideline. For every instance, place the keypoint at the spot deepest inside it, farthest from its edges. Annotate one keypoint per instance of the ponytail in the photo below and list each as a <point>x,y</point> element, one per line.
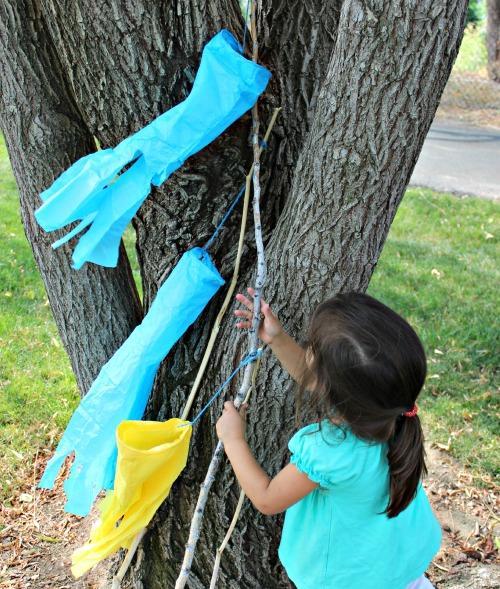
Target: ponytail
<point>406,458</point>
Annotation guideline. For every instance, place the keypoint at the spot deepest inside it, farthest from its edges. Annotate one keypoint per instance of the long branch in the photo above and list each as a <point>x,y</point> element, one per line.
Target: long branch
<point>194,532</point>
<point>236,514</point>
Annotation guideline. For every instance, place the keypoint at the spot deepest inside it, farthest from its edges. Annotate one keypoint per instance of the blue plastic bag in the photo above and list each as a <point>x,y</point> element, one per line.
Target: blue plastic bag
<point>226,86</point>
<point>121,390</point>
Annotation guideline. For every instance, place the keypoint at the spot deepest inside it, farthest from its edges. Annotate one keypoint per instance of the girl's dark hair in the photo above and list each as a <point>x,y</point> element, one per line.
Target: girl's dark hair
<point>367,367</point>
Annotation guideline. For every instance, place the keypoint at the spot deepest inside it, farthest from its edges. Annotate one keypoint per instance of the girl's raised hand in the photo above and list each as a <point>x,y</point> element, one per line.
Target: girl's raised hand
<point>270,327</point>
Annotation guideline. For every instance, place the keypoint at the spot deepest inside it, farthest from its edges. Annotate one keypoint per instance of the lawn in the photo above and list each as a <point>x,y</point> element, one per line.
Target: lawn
<point>473,54</point>
<point>437,269</point>
<point>37,387</point>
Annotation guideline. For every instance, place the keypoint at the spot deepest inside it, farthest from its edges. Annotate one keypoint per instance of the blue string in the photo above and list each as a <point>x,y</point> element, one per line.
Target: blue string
<point>225,217</point>
<point>251,357</point>
<point>263,143</point>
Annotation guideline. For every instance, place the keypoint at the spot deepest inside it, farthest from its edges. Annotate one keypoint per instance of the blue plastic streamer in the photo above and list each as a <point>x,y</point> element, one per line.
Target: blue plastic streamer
<point>226,86</point>
<point>122,388</point>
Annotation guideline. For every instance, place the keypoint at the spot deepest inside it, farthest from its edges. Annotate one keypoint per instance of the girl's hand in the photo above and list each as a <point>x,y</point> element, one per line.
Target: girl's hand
<point>270,327</point>
<point>231,424</point>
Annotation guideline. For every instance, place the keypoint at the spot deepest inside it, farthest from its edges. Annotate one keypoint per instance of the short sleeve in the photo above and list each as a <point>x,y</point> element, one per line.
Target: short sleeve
<point>321,454</point>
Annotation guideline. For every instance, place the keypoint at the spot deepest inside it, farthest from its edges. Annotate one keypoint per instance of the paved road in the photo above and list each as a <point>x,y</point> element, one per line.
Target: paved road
<point>460,158</point>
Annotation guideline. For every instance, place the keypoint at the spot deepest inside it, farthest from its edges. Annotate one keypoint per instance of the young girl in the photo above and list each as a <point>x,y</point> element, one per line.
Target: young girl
<point>357,516</point>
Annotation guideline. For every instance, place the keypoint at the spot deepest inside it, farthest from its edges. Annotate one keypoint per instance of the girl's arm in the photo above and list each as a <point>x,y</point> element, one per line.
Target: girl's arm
<point>286,349</point>
<point>291,356</point>
<point>269,496</point>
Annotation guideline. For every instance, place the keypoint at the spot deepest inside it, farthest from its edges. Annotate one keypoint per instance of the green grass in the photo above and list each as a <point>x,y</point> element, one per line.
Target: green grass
<point>37,387</point>
<point>473,55</point>
<point>437,269</point>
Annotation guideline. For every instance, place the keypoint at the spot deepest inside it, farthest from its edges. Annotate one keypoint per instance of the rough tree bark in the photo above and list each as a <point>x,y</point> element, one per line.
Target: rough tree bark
<point>359,83</point>
<point>95,309</point>
<point>493,39</point>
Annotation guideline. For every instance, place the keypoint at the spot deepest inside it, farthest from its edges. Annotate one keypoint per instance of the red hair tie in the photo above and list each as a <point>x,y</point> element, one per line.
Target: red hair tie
<point>412,412</point>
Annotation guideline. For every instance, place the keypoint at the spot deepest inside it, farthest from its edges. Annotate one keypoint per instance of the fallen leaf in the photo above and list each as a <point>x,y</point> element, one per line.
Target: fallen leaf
<point>45,538</point>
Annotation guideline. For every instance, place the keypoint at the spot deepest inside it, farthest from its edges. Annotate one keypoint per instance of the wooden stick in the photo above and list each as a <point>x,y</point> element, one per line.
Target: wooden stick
<point>261,260</point>
<point>194,532</point>
<point>220,550</point>
<point>118,578</point>
<point>218,554</point>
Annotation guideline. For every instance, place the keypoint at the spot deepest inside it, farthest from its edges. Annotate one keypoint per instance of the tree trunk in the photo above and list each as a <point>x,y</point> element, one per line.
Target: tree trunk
<point>359,83</point>
<point>493,39</point>
<point>95,309</point>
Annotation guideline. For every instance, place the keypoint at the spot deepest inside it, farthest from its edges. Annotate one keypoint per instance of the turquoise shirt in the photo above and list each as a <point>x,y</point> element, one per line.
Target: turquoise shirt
<point>336,537</point>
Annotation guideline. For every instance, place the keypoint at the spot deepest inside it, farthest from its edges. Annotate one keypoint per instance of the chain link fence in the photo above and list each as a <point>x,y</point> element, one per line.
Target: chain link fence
<point>471,91</point>
<point>470,95</point>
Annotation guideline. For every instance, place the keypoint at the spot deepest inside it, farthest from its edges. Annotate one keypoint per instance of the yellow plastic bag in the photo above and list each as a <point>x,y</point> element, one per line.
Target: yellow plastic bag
<point>151,455</point>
